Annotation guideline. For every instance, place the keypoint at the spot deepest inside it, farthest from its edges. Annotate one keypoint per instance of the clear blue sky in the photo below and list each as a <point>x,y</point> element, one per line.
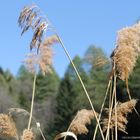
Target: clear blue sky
<point>80,23</point>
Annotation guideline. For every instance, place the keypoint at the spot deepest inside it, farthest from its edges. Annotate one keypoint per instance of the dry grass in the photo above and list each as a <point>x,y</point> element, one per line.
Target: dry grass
<point>49,41</point>
<point>82,118</point>
<point>43,59</point>
<point>127,50</point>
<point>124,59</point>
<point>30,18</point>
<point>7,126</point>
<point>28,135</point>
<point>122,111</point>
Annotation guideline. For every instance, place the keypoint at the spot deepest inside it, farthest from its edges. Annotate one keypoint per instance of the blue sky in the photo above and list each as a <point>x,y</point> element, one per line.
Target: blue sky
<point>80,23</point>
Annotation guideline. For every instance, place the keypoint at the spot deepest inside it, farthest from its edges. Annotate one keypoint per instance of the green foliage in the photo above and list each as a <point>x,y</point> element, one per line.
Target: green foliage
<point>58,100</point>
<point>46,86</point>
<point>25,80</point>
<point>8,90</point>
<point>98,75</point>
<point>65,108</point>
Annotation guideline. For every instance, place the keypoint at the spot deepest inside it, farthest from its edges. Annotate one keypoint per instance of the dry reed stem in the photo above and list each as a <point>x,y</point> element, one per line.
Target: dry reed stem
<point>7,126</point>
<point>39,38</point>
<point>101,110</point>
<point>115,111</point>
<point>122,111</point>
<point>65,134</point>
<point>81,82</point>
<point>41,132</point>
<point>32,102</point>
<point>83,117</point>
<point>127,50</point>
<point>112,95</point>
<point>28,135</point>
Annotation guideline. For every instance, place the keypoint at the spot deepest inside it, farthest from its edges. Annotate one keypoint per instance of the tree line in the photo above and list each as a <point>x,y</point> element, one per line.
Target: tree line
<point>58,99</point>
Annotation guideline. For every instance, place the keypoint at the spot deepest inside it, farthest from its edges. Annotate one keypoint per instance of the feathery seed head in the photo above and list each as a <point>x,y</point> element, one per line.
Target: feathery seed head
<point>43,59</point>
<point>28,135</point>
<point>122,111</point>
<point>83,117</point>
<point>30,17</point>
<point>125,54</point>
<point>7,126</point>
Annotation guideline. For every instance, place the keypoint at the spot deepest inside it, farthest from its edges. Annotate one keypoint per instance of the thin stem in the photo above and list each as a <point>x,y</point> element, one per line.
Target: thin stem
<point>102,108</point>
<point>42,134</point>
<point>110,96</point>
<point>70,126</point>
<point>32,102</point>
<point>17,137</point>
<point>79,77</point>
<point>116,136</point>
<point>110,113</point>
<point>112,134</point>
<point>129,96</point>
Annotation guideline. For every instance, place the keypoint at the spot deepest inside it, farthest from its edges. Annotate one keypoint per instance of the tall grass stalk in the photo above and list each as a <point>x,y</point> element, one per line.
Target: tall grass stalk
<point>115,101</point>
<point>42,134</point>
<point>110,110</point>
<point>130,98</point>
<point>32,102</point>
<point>115,106</point>
<point>108,87</point>
<point>81,81</point>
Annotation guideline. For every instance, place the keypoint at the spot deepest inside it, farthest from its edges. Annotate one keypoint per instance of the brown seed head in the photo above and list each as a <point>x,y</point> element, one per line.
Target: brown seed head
<point>28,135</point>
<point>7,126</point>
<point>122,111</point>
<point>49,41</point>
<point>43,59</point>
<point>31,62</point>
<point>127,51</point>
<point>83,117</point>
<point>31,17</point>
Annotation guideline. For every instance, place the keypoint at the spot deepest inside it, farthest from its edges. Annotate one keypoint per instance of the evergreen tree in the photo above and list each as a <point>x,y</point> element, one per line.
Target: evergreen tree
<point>45,94</point>
<point>67,103</point>
<point>80,98</point>
<point>25,80</point>
<point>45,97</point>
<point>46,86</point>
<point>65,108</point>
<point>7,91</point>
<point>98,74</point>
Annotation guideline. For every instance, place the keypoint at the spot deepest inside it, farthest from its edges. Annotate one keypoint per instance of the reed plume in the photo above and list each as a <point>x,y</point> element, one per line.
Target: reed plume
<point>28,135</point>
<point>49,41</point>
<point>43,61</point>
<point>82,118</point>
<point>122,111</point>
<point>40,24</point>
<point>100,62</point>
<point>30,17</point>
<point>7,126</point>
<point>127,51</point>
